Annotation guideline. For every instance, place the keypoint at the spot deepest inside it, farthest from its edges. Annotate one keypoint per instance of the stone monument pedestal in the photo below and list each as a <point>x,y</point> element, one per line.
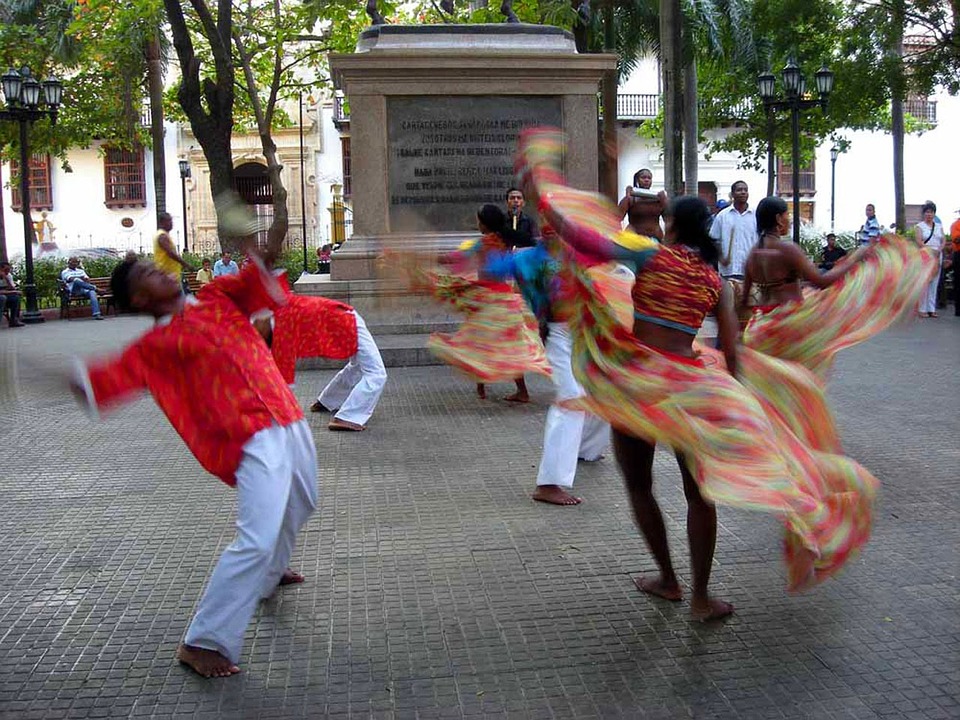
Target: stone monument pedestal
<point>435,111</point>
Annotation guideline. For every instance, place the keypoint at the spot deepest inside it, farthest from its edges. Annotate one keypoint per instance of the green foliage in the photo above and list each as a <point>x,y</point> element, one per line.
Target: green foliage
<point>815,32</point>
<point>73,40</point>
<point>45,274</point>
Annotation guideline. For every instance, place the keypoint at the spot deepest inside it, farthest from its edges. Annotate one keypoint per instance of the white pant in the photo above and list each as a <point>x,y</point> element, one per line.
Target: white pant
<point>354,391</point>
<point>928,299</point>
<point>569,434</point>
<point>276,493</point>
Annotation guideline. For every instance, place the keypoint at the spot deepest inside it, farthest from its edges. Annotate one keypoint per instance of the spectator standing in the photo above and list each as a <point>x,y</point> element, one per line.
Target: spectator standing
<point>225,266</point>
<point>643,207</point>
<point>735,229</point>
<point>870,230</point>
<point>10,295</point>
<point>165,255</point>
<point>205,273</point>
<point>831,253</point>
<point>929,233</point>
<point>78,285</point>
<point>520,231</point>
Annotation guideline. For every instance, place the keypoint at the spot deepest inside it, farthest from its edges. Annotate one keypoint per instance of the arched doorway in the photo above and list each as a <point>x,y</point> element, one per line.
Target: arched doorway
<point>252,184</point>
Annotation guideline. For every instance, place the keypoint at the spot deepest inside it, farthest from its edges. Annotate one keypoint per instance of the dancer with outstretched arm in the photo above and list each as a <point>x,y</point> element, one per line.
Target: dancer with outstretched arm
<point>251,433</point>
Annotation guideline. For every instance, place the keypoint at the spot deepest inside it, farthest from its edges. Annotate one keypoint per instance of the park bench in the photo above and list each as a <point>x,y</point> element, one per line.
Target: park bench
<point>105,295</point>
<point>190,280</point>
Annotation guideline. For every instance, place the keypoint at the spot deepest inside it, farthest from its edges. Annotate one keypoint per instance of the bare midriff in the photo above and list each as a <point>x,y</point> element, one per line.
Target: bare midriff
<point>667,339</point>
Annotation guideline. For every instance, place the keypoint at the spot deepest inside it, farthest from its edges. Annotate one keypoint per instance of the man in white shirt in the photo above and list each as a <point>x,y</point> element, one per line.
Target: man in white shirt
<point>225,266</point>
<point>75,278</point>
<point>735,229</point>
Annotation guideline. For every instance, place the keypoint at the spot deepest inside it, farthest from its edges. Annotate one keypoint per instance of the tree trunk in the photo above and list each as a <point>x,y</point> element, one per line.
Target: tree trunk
<point>691,128</point>
<point>264,115</point>
<point>898,95</point>
<point>155,90</point>
<point>208,104</point>
<point>281,219</point>
<point>609,179</point>
<point>671,68</point>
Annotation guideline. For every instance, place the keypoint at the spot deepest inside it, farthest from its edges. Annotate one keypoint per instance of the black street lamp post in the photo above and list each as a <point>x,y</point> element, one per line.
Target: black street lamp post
<point>834,152</point>
<point>795,87</point>
<point>184,174</point>
<point>22,94</point>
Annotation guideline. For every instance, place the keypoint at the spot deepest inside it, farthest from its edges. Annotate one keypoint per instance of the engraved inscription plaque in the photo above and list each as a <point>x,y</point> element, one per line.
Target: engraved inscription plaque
<point>449,155</point>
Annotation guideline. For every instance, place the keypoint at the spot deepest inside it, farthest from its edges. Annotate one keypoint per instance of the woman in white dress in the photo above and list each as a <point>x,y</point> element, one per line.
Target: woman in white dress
<point>929,233</point>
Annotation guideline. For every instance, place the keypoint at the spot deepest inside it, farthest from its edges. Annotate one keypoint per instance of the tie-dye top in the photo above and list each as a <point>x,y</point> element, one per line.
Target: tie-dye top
<point>676,289</point>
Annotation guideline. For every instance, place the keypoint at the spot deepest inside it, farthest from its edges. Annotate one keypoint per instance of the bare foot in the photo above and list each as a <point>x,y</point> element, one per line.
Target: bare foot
<point>338,425</point>
<point>518,397</point>
<point>710,609</point>
<point>660,588</point>
<point>481,391</point>
<point>291,577</point>
<point>555,495</point>
<point>206,663</point>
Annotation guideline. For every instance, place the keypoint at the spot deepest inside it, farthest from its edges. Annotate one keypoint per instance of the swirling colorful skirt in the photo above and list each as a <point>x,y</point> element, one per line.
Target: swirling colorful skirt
<point>881,290</point>
<point>767,442</point>
<point>499,338</point>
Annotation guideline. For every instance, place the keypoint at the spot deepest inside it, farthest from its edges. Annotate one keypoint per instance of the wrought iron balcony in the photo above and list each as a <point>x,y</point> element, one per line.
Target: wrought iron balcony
<point>922,109</point>
<point>341,114</point>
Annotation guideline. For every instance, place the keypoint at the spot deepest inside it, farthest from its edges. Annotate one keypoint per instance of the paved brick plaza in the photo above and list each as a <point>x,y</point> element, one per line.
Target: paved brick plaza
<point>438,589</point>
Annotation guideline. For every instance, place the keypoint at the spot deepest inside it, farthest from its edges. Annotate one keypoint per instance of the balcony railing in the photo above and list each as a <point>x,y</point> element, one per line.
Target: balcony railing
<point>341,115</point>
<point>808,182</point>
<point>922,109</point>
<point>637,106</point>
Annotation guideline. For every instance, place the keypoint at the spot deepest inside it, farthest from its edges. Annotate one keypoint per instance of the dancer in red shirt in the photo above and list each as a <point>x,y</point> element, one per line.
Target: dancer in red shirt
<point>251,434</point>
<point>308,326</point>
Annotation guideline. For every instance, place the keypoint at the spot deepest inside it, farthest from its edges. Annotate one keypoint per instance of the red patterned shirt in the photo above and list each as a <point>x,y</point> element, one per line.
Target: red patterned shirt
<point>312,327</point>
<point>210,350</point>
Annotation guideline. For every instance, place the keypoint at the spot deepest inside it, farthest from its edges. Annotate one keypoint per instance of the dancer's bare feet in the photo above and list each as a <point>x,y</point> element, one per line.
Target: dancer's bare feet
<point>518,397</point>
<point>660,588</point>
<point>338,425</point>
<point>206,663</point>
<point>710,609</point>
<point>481,391</point>
<point>291,577</point>
<point>555,495</point>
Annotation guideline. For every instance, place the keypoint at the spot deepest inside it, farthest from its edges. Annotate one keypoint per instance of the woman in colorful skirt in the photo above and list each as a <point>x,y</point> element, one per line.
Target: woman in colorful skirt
<point>766,442</point>
<point>499,338</point>
<point>856,300</point>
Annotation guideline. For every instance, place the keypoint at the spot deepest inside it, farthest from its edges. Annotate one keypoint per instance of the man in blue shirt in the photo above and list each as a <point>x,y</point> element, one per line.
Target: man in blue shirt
<point>870,230</point>
<point>225,266</point>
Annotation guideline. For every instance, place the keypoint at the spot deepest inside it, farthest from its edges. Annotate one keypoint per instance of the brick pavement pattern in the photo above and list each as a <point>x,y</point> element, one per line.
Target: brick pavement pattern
<point>437,589</point>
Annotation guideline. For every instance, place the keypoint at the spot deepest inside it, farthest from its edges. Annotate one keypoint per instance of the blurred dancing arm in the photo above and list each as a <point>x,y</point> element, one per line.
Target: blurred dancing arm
<point>809,272</point>
<point>596,242</point>
<point>107,382</point>
<point>729,327</point>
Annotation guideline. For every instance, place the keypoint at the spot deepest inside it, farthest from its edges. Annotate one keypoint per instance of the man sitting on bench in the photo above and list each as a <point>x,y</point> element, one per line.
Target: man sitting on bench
<point>77,282</point>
